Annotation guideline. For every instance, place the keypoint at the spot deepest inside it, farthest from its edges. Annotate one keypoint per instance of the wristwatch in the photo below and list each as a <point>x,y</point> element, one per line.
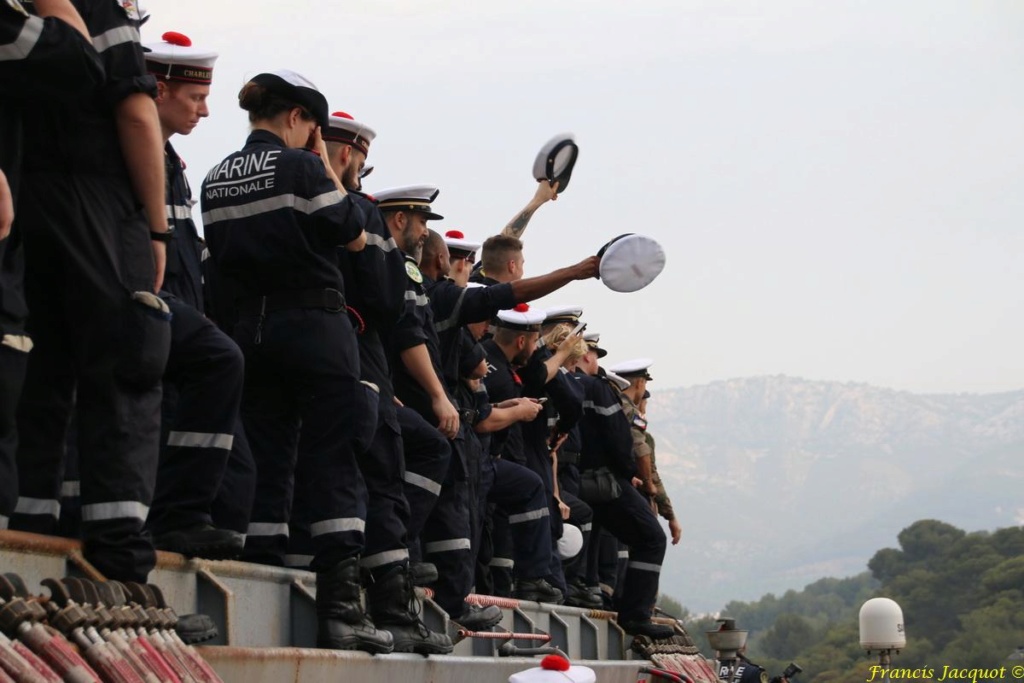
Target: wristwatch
<point>164,237</point>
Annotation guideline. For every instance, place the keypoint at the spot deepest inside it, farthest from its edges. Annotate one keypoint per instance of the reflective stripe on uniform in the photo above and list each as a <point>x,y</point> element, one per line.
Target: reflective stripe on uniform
<point>623,554</point>
<point>119,509</point>
<point>446,546</point>
<point>422,482</point>
<point>420,299</point>
<point>336,526</point>
<point>200,440</point>
<point>267,529</point>
<point>178,211</point>
<point>644,566</point>
<point>281,201</point>
<point>297,561</point>
<point>23,44</point>
<point>502,562</point>
<point>528,516</point>
<point>586,527</point>
<point>373,239</point>
<point>115,36</point>
<point>601,410</point>
<point>386,557</point>
<point>37,506</point>
<point>71,489</point>
<point>453,319</point>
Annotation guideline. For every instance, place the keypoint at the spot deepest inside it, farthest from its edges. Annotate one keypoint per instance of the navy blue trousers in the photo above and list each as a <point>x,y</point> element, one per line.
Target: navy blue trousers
<point>629,519</point>
<point>88,259</point>
<point>302,372</point>
<point>202,395</point>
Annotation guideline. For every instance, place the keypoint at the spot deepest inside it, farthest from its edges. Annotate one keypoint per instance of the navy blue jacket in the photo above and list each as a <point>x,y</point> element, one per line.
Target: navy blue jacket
<point>375,289</point>
<point>456,306</point>
<point>274,220</point>
<point>184,274</point>
<point>604,430</point>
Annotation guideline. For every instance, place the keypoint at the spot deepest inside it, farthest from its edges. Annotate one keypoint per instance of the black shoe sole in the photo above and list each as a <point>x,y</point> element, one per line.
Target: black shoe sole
<point>354,643</point>
<point>205,552</point>
<point>417,647</point>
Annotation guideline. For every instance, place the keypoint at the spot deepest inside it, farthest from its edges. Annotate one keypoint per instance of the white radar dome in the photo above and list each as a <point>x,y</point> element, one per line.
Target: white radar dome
<point>881,625</point>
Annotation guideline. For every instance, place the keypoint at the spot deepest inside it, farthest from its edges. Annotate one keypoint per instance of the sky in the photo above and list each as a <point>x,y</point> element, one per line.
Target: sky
<point>837,185</point>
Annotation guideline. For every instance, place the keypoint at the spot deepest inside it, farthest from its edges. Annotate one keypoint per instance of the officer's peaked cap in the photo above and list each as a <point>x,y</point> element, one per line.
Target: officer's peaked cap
<point>637,367</point>
<point>414,198</point>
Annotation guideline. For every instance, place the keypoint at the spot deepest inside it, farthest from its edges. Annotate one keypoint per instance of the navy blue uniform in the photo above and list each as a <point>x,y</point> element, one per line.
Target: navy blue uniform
<point>560,414</point>
<point>101,337</point>
<point>518,491</point>
<point>273,222</point>
<point>607,442</point>
<point>446,531</point>
<point>456,306</point>
<point>204,449</point>
<point>375,283</point>
<point>40,60</point>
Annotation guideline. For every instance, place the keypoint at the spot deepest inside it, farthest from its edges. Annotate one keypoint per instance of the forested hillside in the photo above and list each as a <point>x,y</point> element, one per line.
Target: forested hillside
<point>962,596</point>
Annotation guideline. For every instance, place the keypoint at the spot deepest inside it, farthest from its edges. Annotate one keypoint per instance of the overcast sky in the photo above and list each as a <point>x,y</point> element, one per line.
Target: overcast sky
<point>838,185</point>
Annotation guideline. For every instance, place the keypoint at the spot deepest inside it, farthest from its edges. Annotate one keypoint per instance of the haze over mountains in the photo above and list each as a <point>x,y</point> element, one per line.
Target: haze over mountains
<point>780,481</point>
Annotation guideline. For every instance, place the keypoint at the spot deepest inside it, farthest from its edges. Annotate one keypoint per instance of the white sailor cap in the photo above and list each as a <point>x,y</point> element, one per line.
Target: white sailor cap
<point>412,198</point>
<point>458,245</point>
<point>296,88</point>
<point>563,314</point>
<point>522,318</point>
<point>621,382</point>
<point>175,59</point>
<point>636,367</point>
<point>555,669</point>
<point>630,262</point>
<point>343,128</point>
<point>571,542</point>
<point>556,159</point>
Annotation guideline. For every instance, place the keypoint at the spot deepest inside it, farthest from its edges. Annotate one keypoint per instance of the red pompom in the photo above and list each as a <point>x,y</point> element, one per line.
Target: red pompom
<point>455,234</point>
<point>554,663</point>
<point>175,38</point>
<point>521,308</point>
<point>343,115</point>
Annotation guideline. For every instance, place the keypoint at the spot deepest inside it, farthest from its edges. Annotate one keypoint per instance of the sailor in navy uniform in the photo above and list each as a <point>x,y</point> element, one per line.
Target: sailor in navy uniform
<point>511,347</point>
<point>205,463</point>
<point>607,442</point>
<point>375,281</point>
<point>562,415</point>
<point>274,216</point>
<point>455,305</point>
<point>545,377</point>
<point>93,261</point>
<point>436,471</point>
<point>42,58</point>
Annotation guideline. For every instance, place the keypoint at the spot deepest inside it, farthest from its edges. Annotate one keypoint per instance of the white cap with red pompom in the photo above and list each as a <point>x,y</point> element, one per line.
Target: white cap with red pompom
<point>555,669</point>
<point>174,58</point>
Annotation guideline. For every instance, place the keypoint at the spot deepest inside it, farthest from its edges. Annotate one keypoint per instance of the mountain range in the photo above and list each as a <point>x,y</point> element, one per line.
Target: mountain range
<point>779,481</point>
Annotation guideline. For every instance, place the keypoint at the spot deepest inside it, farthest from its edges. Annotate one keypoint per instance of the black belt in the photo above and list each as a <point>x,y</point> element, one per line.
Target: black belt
<point>568,458</point>
<point>328,299</point>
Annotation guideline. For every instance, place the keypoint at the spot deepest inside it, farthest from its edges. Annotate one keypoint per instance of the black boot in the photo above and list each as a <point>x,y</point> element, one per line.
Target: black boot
<point>203,541</point>
<point>537,590</point>
<point>393,606</point>
<point>341,622</point>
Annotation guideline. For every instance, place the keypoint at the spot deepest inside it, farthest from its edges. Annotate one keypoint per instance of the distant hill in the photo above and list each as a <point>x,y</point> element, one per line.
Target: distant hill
<point>780,481</point>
